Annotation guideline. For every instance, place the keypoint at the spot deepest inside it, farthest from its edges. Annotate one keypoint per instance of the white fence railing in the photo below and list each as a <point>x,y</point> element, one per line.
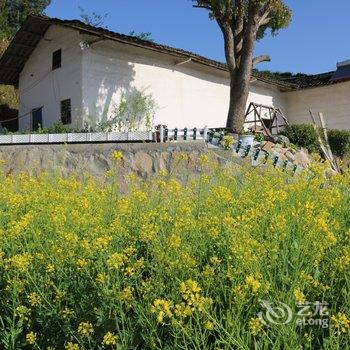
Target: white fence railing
<point>165,134</point>
<point>162,135</point>
<point>76,137</point>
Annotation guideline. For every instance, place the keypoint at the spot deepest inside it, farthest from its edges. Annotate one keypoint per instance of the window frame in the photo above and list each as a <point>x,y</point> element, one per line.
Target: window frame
<point>35,125</point>
<point>57,59</point>
<point>66,111</point>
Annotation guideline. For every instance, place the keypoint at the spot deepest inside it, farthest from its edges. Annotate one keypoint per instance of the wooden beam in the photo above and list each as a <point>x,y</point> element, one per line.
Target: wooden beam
<point>12,68</point>
<point>15,56</point>
<point>24,45</point>
<point>37,35</point>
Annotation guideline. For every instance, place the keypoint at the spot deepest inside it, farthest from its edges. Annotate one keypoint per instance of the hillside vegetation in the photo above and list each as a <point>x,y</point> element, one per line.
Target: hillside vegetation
<point>8,97</point>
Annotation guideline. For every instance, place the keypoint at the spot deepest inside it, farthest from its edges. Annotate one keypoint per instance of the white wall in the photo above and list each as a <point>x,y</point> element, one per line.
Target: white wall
<point>40,86</point>
<point>333,101</point>
<point>187,95</point>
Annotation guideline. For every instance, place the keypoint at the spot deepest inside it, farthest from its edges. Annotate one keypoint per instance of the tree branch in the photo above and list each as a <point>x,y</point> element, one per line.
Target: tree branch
<point>262,58</point>
<point>265,19</point>
<point>207,7</point>
<point>238,27</point>
<point>229,46</point>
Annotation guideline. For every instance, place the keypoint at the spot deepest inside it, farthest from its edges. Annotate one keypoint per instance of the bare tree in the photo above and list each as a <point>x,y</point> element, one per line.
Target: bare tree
<point>242,23</point>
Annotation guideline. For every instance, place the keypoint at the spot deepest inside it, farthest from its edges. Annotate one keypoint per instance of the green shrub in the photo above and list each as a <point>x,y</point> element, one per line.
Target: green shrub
<point>303,135</point>
<point>339,140</point>
<point>56,128</point>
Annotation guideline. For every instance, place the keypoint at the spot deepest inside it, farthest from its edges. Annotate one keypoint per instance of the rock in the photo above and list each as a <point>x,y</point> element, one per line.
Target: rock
<point>267,146</point>
<point>256,144</point>
<point>280,139</point>
<point>283,140</point>
<point>161,161</point>
<point>142,163</point>
<point>290,156</point>
<point>280,155</point>
<point>302,158</point>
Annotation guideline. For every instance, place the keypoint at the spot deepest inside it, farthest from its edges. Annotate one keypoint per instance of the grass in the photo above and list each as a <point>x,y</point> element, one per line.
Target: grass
<point>170,265</point>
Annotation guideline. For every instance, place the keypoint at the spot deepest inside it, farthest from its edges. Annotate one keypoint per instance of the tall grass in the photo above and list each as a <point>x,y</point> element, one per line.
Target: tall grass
<point>170,265</point>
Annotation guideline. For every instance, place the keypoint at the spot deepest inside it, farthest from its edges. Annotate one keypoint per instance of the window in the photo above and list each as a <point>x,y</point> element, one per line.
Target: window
<point>57,59</point>
<point>66,112</point>
<point>37,118</point>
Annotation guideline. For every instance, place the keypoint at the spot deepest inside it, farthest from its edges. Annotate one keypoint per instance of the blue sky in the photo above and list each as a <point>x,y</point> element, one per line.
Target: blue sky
<point>317,38</point>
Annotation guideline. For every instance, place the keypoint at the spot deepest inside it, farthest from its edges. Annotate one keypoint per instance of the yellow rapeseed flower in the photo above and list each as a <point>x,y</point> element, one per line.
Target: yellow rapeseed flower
<point>21,262</point>
<point>117,155</point>
<point>31,337</point>
<point>163,308</point>
<point>253,284</point>
<point>255,325</point>
<point>85,329</point>
<point>127,293</point>
<point>341,323</point>
<point>299,296</point>
<point>209,325</point>
<point>71,346</point>
<point>116,261</point>
<point>50,268</point>
<point>109,339</point>
<point>215,260</point>
<point>68,313</point>
<point>34,299</point>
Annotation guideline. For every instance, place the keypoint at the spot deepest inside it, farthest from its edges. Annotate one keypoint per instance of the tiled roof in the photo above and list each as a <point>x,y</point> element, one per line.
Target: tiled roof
<point>309,81</point>
<point>35,27</point>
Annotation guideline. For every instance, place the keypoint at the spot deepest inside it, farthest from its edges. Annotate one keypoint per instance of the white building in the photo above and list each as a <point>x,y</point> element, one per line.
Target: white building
<point>68,71</point>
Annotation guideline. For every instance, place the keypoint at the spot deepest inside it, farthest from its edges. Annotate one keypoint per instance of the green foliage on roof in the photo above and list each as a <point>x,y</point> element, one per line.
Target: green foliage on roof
<point>282,76</point>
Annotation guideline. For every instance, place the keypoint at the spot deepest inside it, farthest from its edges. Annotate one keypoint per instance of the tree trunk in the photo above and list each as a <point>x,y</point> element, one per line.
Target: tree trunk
<point>240,81</point>
<point>239,93</point>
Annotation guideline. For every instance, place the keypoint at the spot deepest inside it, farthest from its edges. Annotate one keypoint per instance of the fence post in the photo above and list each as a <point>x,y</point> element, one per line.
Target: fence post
<point>266,157</point>
<point>275,161</point>
<point>194,133</point>
<point>285,164</point>
<point>161,133</point>
<point>185,134</point>
<point>239,145</point>
<point>295,168</point>
<point>166,134</point>
<point>256,156</point>
<point>247,151</point>
<point>175,134</point>
<point>205,133</point>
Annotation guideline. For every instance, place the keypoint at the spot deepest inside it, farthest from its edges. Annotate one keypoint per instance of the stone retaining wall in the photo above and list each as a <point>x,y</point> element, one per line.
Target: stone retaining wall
<point>144,159</point>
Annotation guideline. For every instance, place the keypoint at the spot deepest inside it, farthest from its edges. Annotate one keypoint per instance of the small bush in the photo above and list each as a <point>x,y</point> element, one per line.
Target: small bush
<point>339,140</point>
<point>303,135</point>
<point>56,128</point>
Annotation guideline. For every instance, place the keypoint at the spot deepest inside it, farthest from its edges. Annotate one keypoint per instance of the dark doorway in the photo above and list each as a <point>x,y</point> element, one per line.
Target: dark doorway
<point>37,118</point>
